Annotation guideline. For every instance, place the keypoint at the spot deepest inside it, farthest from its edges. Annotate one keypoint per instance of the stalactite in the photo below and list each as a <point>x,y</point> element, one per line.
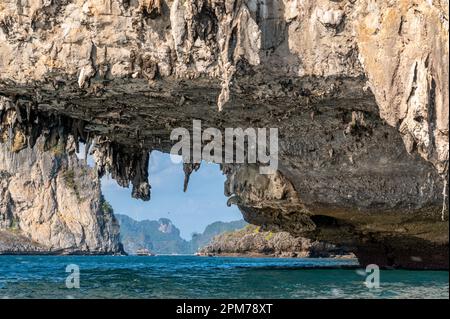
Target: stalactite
<point>188,168</point>
<point>87,147</point>
<point>125,164</point>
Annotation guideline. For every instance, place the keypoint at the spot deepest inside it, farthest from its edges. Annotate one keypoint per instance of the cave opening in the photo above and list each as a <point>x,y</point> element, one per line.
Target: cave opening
<point>203,202</point>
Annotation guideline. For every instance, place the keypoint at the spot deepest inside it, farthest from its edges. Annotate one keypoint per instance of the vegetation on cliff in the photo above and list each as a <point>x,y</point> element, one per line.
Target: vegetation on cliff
<point>162,237</point>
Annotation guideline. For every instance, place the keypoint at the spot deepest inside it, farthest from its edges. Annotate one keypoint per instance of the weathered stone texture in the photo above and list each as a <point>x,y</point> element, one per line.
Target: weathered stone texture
<point>358,90</point>
<point>51,203</point>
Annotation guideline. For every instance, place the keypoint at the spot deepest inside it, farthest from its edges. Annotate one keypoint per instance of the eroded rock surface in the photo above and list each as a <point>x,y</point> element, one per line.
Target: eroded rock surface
<point>250,241</point>
<point>358,90</point>
<point>50,202</point>
<point>404,50</point>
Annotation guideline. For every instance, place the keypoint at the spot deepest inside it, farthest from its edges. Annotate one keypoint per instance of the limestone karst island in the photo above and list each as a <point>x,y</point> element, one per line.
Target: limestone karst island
<point>220,148</point>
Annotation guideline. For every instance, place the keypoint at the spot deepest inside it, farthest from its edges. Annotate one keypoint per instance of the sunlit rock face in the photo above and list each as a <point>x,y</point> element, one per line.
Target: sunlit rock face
<point>358,90</point>
<point>51,203</point>
<point>250,241</point>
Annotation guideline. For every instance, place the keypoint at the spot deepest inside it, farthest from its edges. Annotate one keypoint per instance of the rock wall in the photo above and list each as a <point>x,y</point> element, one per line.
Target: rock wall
<point>404,50</point>
<point>357,89</point>
<point>51,202</point>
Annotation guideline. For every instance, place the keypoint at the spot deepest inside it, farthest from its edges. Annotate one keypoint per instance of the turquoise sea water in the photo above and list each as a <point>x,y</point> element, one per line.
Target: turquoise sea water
<point>208,277</point>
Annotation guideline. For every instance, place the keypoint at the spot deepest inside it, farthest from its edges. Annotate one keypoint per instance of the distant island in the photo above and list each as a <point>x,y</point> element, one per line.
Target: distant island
<point>163,237</point>
<point>236,238</point>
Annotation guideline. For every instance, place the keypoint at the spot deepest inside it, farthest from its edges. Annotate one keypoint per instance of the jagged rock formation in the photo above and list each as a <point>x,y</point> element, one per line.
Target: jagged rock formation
<point>358,90</point>
<point>158,236</point>
<point>51,203</point>
<point>250,241</point>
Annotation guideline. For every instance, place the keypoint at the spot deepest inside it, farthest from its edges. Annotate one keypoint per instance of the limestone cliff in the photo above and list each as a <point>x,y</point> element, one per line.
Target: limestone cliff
<point>50,202</point>
<point>163,237</point>
<point>357,89</point>
<point>158,236</point>
<point>250,241</point>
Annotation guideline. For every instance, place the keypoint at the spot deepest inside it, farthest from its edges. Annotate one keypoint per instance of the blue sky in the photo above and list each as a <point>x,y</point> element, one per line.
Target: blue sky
<point>202,204</point>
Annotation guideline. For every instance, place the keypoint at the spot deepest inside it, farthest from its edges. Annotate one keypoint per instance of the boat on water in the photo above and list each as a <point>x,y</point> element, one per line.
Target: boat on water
<point>144,252</point>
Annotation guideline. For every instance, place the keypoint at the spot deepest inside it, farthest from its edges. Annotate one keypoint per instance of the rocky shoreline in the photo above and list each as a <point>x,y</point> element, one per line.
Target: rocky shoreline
<point>250,241</point>
<point>262,255</point>
<point>14,243</point>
